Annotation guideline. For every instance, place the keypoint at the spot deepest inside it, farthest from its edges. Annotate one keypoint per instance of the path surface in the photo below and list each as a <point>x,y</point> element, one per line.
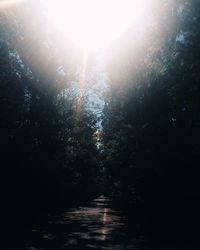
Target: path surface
<point>95,226</point>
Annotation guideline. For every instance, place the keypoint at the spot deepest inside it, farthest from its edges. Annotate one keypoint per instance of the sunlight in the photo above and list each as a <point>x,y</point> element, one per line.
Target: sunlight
<point>94,24</point>
<point>7,3</point>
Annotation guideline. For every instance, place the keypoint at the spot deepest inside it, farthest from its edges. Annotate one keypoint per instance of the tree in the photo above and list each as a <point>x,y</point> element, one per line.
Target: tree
<point>150,128</point>
<point>46,153</point>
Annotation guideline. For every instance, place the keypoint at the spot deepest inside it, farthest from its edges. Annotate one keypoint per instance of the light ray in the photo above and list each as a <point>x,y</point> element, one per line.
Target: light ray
<point>81,82</point>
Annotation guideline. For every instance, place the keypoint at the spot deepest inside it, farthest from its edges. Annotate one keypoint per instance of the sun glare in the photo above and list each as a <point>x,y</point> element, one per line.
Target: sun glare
<point>94,24</point>
<point>8,3</point>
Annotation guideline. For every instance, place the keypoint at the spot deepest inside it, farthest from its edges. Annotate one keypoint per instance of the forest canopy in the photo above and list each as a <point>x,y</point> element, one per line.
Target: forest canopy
<point>142,146</point>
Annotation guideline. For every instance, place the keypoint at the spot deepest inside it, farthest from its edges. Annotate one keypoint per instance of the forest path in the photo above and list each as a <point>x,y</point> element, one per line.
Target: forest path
<point>95,226</point>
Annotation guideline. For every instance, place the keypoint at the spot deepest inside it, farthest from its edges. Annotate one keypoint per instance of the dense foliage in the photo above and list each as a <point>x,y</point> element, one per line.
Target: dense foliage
<point>151,122</point>
<point>149,142</point>
<point>47,133</point>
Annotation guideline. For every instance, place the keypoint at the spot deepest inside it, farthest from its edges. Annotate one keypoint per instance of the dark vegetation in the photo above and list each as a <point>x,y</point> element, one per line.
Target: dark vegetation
<point>48,151</point>
<point>151,129</point>
<point>150,153</point>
